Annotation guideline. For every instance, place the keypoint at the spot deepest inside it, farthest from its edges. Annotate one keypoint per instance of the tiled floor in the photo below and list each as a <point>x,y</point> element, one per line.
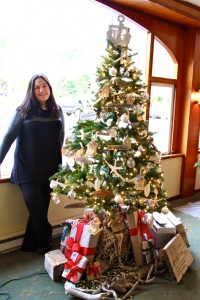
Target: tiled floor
<point>23,277</point>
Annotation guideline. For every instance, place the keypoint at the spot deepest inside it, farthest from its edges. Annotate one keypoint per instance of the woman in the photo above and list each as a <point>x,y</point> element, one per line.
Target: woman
<point>38,127</point>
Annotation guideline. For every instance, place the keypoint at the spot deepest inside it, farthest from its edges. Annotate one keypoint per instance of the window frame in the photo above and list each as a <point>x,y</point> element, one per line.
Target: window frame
<point>150,79</point>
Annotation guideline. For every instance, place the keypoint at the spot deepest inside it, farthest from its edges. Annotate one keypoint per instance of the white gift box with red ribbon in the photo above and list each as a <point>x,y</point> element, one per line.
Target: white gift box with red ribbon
<point>74,267</point>
<point>136,237</point>
<point>139,231</point>
<point>86,240</point>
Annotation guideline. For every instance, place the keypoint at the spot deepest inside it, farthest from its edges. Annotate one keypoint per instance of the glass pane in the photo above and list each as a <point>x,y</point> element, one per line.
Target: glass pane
<point>67,50</point>
<point>163,64</point>
<point>160,115</point>
<point>5,113</point>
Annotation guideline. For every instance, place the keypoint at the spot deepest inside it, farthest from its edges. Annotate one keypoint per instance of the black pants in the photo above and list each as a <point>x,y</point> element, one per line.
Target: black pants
<point>38,230</point>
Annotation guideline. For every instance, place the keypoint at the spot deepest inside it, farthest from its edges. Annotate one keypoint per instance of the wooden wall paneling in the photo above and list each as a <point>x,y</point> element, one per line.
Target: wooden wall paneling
<point>171,11</point>
<point>193,124</point>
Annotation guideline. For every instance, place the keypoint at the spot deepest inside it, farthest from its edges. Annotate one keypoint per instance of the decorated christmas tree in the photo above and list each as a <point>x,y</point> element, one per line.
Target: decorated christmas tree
<point>112,168</point>
<point>111,160</point>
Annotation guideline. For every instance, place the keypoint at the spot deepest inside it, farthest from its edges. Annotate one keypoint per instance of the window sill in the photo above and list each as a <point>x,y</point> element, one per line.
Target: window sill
<point>163,157</point>
<point>168,156</point>
<point>3,180</point>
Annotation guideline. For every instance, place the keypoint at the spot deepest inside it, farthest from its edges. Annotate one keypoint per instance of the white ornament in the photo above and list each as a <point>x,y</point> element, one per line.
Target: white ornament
<point>71,195</point>
<point>112,133</point>
<point>133,141</point>
<point>102,172</point>
<point>127,74</point>
<point>137,154</point>
<point>53,184</point>
<point>122,124</point>
<point>165,210</point>
<point>118,199</point>
<point>70,161</point>
<point>124,118</point>
<point>140,148</point>
<point>55,199</point>
<point>97,184</point>
<point>112,71</point>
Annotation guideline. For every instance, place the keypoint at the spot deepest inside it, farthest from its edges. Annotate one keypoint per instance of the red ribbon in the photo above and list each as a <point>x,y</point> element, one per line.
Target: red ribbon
<point>88,216</point>
<point>79,231</point>
<point>133,231</point>
<point>87,251</point>
<point>73,244</point>
<point>146,235</point>
<point>93,269</point>
<point>71,247</point>
<point>74,269</point>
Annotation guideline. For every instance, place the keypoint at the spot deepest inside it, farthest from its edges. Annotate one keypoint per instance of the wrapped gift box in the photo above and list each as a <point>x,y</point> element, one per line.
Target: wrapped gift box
<point>65,236</point>
<point>179,226</point>
<point>135,234</point>
<point>74,267</point>
<point>54,264</point>
<point>93,270</point>
<point>89,210</point>
<point>162,230</point>
<point>88,242</point>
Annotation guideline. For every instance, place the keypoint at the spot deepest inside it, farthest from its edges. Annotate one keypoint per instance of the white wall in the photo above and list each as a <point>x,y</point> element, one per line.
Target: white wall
<point>171,168</point>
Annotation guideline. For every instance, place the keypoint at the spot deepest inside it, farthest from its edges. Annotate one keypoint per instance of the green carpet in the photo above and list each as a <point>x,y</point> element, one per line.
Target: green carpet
<point>33,283</point>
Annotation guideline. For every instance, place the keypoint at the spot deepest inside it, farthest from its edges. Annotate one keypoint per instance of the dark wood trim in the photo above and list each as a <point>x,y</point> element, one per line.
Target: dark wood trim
<point>163,80</point>
<point>169,156</point>
<point>181,7</point>
<point>3,180</point>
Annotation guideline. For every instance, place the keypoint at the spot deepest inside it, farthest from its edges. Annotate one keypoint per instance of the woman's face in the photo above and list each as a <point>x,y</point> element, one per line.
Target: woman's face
<point>41,91</point>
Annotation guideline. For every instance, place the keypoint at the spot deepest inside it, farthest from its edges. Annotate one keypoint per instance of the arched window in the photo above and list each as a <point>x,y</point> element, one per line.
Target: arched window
<point>163,63</point>
<point>162,95</point>
<point>61,39</point>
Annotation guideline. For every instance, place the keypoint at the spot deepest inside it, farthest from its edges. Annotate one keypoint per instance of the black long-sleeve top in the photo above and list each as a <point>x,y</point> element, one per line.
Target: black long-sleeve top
<point>39,141</point>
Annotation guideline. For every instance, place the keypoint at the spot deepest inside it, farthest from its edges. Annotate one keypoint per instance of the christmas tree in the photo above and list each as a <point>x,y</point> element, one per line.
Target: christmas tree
<point>111,160</point>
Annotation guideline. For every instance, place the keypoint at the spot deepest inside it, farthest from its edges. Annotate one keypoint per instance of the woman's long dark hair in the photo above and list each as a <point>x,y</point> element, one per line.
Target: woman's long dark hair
<point>30,104</point>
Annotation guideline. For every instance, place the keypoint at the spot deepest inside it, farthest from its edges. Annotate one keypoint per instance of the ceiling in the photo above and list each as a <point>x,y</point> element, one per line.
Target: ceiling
<point>182,12</point>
